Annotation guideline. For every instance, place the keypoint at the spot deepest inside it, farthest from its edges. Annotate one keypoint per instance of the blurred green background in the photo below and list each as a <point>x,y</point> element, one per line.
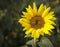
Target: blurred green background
<point>11,34</point>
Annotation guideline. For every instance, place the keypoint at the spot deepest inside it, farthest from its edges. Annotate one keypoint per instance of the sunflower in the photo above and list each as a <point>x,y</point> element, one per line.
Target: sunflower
<point>37,22</point>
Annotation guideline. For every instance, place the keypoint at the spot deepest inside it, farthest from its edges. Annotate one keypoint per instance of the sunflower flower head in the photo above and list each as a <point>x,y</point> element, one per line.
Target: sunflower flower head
<point>39,21</point>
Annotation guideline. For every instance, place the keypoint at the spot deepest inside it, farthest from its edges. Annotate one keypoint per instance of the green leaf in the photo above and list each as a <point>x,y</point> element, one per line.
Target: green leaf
<point>45,42</point>
<point>30,42</point>
<point>27,36</point>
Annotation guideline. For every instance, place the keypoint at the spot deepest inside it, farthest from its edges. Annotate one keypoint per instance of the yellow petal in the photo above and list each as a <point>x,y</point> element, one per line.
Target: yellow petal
<point>29,10</point>
<point>23,23</point>
<point>47,32</point>
<point>51,31</point>
<point>37,33</point>
<point>29,31</point>
<point>34,34</point>
<point>27,28</point>
<point>46,27</point>
<point>52,27</point>
<point>49,22</point>
<point>24,20</point>
<point>40,9</point>
<point>26,15</point>
<point>51,18</point>
<point>34,8</point>
<point>46,11</point>
<point>49,14</point>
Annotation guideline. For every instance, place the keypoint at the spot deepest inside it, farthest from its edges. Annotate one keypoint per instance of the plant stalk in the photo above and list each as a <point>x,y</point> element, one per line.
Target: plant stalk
<point>34,45</point>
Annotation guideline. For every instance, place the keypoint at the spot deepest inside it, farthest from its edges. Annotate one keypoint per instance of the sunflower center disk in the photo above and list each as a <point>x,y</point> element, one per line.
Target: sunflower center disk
<point>37,22</point>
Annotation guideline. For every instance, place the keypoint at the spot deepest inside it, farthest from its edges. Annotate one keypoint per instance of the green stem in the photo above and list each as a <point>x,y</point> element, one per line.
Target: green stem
<point>34,45</point>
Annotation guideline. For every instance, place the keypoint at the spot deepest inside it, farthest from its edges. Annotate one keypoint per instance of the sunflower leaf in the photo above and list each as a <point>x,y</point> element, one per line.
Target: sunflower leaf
<point>27,36</point>
<point>45,42</point>
<point>30,42</point>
